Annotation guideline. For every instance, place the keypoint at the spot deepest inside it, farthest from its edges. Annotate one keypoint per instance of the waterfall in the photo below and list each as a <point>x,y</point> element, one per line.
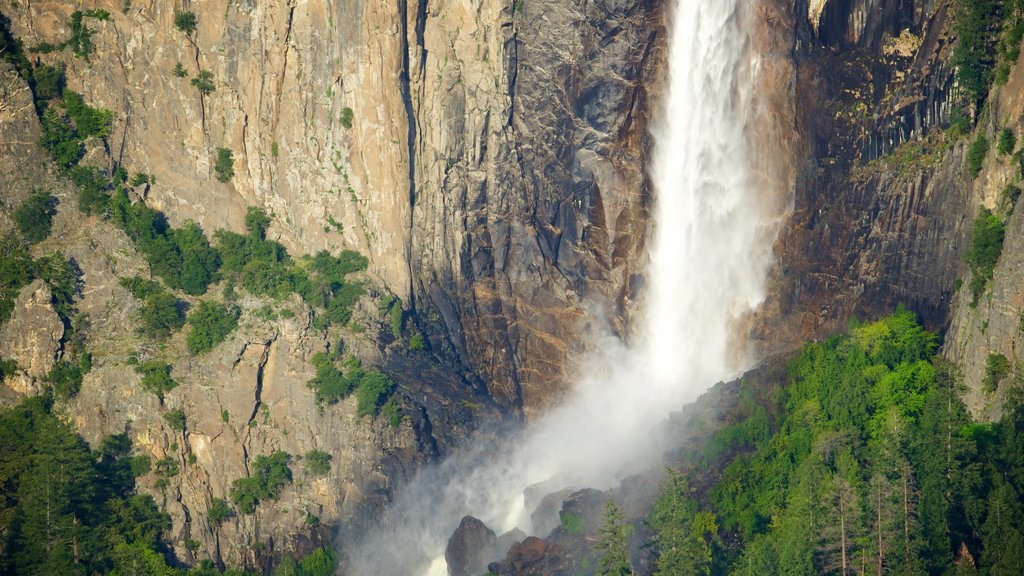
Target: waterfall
<point>710,254</point>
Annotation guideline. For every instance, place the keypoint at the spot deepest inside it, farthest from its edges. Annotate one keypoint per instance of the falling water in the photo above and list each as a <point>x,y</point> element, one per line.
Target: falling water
<point>711,251</point>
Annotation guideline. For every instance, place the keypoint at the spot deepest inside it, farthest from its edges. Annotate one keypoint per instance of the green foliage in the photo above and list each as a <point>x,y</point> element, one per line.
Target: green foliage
<point>175,419</point>
<point>417,343</point>
<point>48,82</point>
<point>1007,142</point>
<point>16,271</point>
<point>976,155</point>
<point>331,385</point>
<point>156,377</point>
<point>396,318</point>
<point>140,287</point>
<point>204,82</point>
<point>997,367</point>
<point>373,389</point>
<point>182,257</point>
<point>975,24</point>
<point>346,117</point>
<point>34,217</point>
<point>179,72</point>
<point>572,523</point>
<point>99,14</point>
<point>318,463</point>
<point>89,121</point>
<point>80,41</point>
<point>219,511</point>
<point>390,411</point>
<point>686,537</point>
<point>66,379</point>
<point>93,189</point>
<point>65,509</point>
<point>257,222</point>
<point>64,279</point>
<point>269,476</point>
<point>987,237</point>
<point>160,315</point>
<point>319,563</point>
<point>224,166</point>
<point>186,22</point>
<point>59,138</point>
<point>871,455</point>
<point>613,543</point>
<point>211,324</point>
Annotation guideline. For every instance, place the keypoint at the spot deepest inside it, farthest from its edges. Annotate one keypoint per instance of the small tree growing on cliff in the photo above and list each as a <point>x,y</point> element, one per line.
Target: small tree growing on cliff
<point>204,82</point>
<point>186,22</point>
<point>614,544</point>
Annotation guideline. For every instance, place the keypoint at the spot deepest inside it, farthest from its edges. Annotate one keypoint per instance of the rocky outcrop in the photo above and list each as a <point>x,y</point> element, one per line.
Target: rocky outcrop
<point>487,157</point>
<point>880,200</point>
<point>32,337</point>
<point>469,548</point>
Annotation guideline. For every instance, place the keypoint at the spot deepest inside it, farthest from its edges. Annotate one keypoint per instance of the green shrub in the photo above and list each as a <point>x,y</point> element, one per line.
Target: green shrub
<point>156,377</point>
<point>997,367</point>
<point>66,379</point>
<point>219,511</point>
<point>175,419</point>
<point>974,51</point>
<point>99,14</point>
<point>34,217</point>
<point>396,318</point>
<point>318,463</point>
<point>15,273</point>
<point>64,279</point>
<point>225,165</point>
<point>186,22</point>
<point>1007,142</point>
<point>372,390</point>
<point>89,121</point>
<point>976,155</point>
<point>167,467</point>
<point>139,465</point>
<point>257,222</point>
<point>59,138</point>
<point>986,246</point>
<point>80,40</point>
<point>330,384</point>
<point>321,562</point>
<point>572,523</point>
<point>179,71</point>
<point>390,412</point>
<point>417,343</point>
<point>269,476</point>
<point>48,82</point>
<point>160,315</point>
<point>93,189</point>
<point>140,287</point>
<point>211,324</point>
<point>347,117</point>
<point>204,82</point>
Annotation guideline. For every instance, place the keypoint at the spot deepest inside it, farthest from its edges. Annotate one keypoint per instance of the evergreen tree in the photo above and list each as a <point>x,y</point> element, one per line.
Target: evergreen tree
<point>613,544</point>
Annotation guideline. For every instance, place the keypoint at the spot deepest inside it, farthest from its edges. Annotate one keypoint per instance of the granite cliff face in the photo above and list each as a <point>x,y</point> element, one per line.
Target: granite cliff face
<point>488,158</point>
<point>493,170</point>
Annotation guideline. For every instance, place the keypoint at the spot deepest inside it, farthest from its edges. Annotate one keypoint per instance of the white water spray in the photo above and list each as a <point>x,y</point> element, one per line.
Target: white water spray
<point>710,254</point>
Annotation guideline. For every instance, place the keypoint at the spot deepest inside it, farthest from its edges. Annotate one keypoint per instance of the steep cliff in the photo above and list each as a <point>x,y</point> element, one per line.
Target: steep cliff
<point>487,157</point>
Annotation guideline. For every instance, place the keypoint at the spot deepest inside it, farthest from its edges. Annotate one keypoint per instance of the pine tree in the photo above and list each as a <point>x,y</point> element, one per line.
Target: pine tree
<point>614,544</point>
<point>1003,552</point>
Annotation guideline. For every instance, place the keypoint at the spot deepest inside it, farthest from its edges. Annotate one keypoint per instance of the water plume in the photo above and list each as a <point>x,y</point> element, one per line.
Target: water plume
<point>710,252</point>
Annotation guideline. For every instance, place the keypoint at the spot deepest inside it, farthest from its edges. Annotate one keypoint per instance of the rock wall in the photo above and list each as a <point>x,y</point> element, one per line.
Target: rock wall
<point>493,170</point>
<point>881,202</point>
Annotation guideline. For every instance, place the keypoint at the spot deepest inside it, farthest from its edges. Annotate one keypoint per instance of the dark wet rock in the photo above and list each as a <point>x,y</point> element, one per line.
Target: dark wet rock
<point>469,548</point>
